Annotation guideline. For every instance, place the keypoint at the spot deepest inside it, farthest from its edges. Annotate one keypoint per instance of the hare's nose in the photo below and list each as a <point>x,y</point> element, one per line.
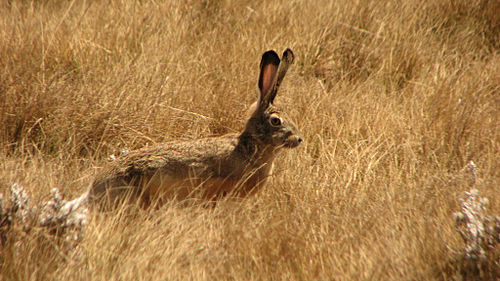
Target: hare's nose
<point>297,140</point>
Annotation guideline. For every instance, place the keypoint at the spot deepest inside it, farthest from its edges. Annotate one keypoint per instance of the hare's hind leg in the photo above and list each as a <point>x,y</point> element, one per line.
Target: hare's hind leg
<point>110,193</point>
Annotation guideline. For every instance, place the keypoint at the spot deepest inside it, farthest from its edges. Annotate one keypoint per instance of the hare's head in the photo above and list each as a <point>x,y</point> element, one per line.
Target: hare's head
<point>267,124</point>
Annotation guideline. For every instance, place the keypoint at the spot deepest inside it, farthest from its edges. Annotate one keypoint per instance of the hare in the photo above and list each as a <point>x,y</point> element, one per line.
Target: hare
<point>207,168</point>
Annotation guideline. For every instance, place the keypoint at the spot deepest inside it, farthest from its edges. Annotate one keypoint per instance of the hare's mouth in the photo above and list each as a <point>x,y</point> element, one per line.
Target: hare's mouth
<point>292,141</point>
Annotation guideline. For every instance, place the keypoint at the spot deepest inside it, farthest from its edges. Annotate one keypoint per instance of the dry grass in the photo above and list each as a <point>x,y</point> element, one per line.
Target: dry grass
<point>393,98</point>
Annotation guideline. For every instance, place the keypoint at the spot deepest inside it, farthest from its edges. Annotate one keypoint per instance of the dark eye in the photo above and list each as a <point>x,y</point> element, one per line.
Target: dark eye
<point>275,121</point>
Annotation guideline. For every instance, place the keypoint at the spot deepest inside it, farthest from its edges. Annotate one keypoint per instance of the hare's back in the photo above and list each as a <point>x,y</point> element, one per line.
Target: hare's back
<point>174,166</point>
<point>178,158</point>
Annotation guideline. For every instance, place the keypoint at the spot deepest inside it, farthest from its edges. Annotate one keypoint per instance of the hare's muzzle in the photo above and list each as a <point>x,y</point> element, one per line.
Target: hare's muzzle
<point>293,141</point>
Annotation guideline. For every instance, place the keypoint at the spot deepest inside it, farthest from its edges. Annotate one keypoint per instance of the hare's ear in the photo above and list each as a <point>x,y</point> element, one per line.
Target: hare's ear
<point>268,91</point>
<point>268,70</point>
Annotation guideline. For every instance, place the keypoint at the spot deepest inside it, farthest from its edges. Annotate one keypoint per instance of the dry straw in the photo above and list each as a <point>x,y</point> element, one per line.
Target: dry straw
<point>393,99</point>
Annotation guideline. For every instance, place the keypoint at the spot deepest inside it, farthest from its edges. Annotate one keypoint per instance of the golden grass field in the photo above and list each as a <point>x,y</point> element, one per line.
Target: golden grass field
<point>393,98</point>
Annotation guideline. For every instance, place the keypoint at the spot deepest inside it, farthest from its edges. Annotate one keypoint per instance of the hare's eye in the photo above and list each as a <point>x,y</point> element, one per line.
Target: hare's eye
<point>275,121</point>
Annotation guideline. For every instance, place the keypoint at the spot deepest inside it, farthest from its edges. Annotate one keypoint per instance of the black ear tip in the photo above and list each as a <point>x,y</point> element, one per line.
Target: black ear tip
<point>288,55</point>
<point>270,57</point>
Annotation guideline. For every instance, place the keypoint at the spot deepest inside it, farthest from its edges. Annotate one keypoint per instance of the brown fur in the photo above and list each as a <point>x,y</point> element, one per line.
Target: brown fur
<point>206,168</point>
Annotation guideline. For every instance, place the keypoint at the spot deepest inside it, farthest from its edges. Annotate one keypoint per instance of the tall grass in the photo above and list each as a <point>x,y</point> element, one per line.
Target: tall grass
<point>393,98</point>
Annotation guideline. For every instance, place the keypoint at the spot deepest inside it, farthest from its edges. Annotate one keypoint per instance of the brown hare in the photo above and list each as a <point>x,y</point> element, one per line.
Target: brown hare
<point>207,168</point>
